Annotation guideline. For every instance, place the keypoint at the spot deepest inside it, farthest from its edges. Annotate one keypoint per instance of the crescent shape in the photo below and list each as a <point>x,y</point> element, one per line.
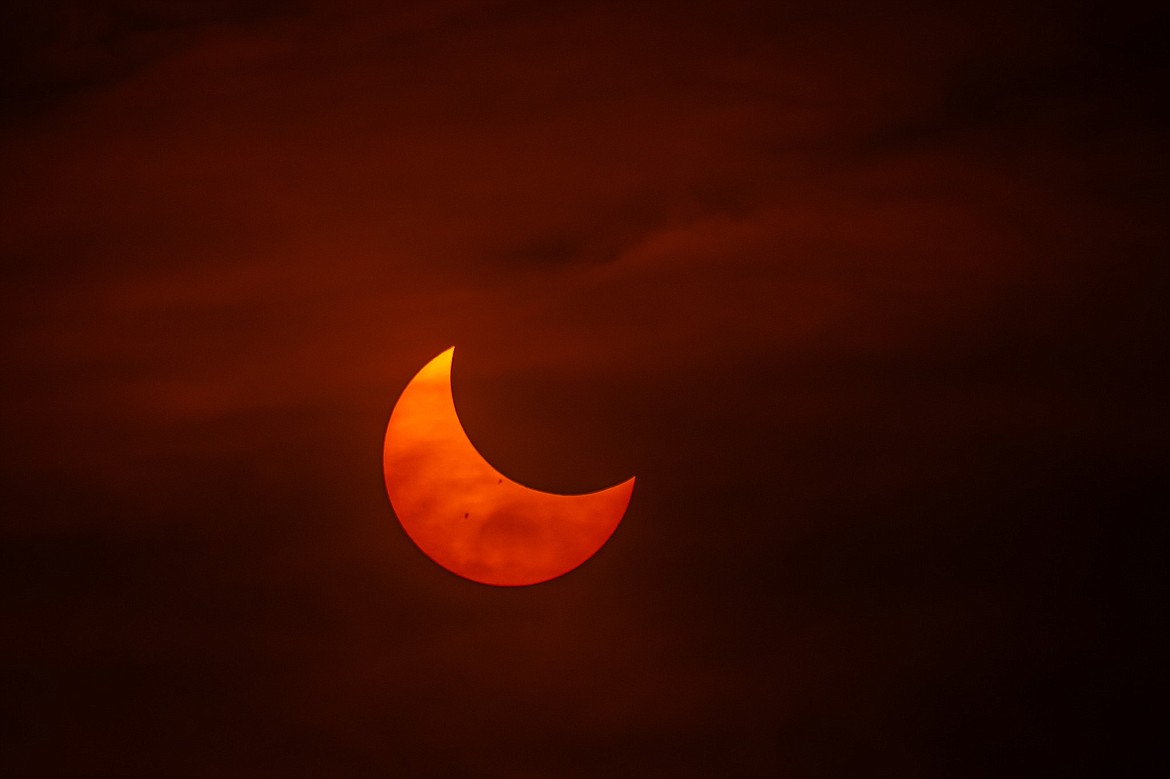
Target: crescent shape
<point>467,516</point>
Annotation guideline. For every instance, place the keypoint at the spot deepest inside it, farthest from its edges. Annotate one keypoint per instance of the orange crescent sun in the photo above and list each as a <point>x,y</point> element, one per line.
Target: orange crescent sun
<point>467,516</point>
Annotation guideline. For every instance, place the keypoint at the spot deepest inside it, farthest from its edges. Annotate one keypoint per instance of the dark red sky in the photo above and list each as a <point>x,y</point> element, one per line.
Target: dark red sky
<point>871,297</point>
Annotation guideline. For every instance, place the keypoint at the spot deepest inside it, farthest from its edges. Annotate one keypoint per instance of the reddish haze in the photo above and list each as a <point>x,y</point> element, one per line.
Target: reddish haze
<point>871,296</point>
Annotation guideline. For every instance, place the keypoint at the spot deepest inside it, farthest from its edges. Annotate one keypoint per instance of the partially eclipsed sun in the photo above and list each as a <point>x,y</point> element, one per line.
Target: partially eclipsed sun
<point>467,516</point>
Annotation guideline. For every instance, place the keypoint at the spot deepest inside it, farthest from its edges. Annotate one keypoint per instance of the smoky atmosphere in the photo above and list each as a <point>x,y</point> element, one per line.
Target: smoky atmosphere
<point>869,298</point>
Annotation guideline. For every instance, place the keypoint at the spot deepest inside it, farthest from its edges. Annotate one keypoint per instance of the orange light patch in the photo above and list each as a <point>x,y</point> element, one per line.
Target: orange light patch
<point>467,516</point>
